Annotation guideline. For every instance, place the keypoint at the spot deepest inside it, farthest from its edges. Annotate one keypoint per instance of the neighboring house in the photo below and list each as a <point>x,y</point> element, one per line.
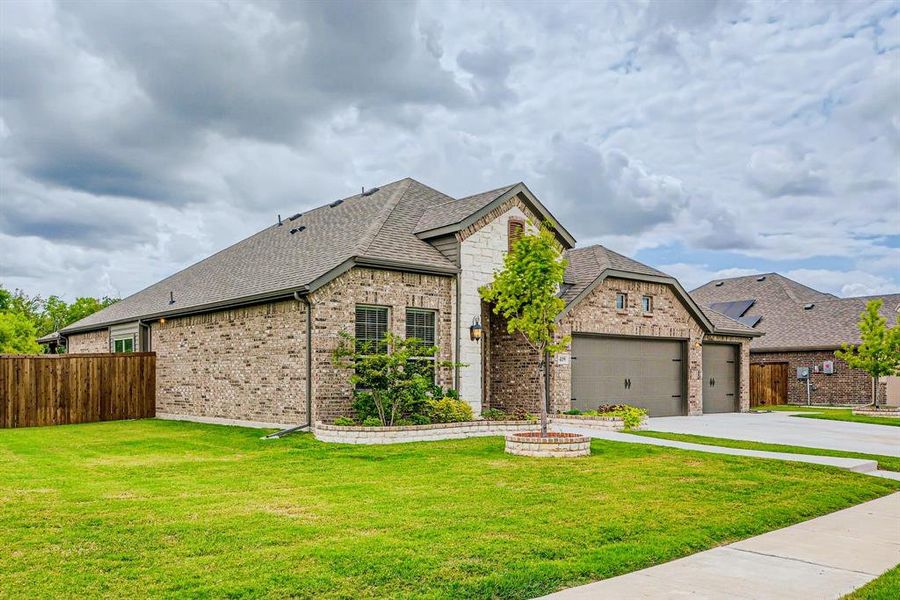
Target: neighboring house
<point>51,341</point>
<point>803,327</point>
<point>248,333</point>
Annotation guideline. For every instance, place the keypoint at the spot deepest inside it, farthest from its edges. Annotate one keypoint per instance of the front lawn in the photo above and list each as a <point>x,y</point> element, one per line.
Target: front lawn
<point>832,414</point>
<point>886,587</point>
<point>888,463</point>
<point>150,508</point>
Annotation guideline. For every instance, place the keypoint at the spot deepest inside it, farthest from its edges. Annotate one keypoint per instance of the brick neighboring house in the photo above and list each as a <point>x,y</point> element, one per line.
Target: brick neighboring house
<point>248,333</point>
<point>803,327</point>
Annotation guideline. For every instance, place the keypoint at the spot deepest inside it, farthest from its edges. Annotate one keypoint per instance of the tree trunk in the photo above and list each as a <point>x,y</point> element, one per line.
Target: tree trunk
<point>542,370</point>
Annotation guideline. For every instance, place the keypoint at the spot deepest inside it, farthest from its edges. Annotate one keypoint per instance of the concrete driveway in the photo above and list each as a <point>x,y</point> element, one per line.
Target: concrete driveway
<point>781,428</point>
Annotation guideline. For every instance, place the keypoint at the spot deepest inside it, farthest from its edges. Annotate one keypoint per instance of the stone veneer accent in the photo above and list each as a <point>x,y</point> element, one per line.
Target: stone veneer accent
<point>592,422</point>
<point>845,386</point>
<point>417,433</point>
<point>92,342</point>
<point>483,246</point>
<point>247,363</point>
<point>334,311</point>
<point>888,413</point>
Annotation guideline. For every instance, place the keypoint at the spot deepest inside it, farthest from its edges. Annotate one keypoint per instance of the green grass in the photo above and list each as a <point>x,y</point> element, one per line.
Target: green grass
<point>175,509</point>
<point>888,463</point>
<point>834,414</point>
<point>886,587</point>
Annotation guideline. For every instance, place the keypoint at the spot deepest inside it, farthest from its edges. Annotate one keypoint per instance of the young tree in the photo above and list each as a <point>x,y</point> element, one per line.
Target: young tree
<point>879,353</point>
<point>526,293</point>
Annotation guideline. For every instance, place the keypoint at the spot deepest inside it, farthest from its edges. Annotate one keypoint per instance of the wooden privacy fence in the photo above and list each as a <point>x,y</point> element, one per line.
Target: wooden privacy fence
<point>76,388</point>
<point>768,384</point>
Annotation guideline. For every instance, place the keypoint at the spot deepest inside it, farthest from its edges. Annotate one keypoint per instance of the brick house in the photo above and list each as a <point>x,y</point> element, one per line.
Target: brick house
<point>803,327</point>
<point>247,334</point>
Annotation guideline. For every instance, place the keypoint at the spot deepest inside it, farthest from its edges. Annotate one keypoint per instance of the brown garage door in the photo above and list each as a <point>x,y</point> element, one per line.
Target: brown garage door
<point>638,371</point>
<point>719,378</point>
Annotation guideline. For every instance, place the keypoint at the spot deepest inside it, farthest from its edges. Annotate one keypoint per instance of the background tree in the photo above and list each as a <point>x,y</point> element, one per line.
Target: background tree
<point>526,293</point>
<point>879,352</point>
<point>26,318</point>
<point>17,334</point>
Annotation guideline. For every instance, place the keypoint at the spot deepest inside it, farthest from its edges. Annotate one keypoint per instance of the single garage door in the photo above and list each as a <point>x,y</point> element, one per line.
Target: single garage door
<point>642,372</point>
<point>719,378</point>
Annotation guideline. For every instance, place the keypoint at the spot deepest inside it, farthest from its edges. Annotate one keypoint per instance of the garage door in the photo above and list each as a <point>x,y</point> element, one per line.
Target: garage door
<point>638,371</point>
<point>719,378</point>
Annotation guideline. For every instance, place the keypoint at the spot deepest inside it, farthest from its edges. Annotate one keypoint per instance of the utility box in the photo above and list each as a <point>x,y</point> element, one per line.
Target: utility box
<point>802,373</point>
<point>828,367</point>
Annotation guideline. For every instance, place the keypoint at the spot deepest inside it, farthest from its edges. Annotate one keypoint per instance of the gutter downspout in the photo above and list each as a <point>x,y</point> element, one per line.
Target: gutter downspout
<point>458,346</point>
<point>309,353</point>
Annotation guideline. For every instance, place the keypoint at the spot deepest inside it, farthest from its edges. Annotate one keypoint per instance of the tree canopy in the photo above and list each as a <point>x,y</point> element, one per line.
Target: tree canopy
<point>25,318</point>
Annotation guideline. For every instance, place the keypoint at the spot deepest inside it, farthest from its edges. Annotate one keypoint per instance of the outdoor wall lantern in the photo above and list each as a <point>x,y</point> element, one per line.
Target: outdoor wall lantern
<point>475,330</point>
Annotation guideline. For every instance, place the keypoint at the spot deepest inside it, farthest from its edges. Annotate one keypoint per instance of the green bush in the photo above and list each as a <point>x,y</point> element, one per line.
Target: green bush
<point>420,419</point>
<point>345,421</point>
<point>631,415</point>
<point>493,414</point>
<point>390,381</point>
<point>449,410</point>
<point>572,411</point>
<point>371,422</point>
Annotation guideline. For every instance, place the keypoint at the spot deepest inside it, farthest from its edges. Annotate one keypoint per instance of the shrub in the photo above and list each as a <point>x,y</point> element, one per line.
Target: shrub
<point>449,410</point>
<point>371,422</point>
<point>493,414</point>
<point>631,415</point>
<point>572,411</point>
<point>345,421</point>
<point>389,381</point>
<point>420,419</point>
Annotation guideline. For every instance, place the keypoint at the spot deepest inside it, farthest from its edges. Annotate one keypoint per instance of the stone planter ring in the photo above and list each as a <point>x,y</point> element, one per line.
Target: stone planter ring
<point>556,444</point>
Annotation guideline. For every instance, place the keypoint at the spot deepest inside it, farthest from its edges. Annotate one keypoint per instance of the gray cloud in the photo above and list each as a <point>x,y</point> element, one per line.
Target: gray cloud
<point>136,138</point>
<point>610,192</point>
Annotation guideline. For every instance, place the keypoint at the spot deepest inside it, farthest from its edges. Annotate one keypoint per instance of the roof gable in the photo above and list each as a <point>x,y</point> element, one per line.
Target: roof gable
<point>459,214</point>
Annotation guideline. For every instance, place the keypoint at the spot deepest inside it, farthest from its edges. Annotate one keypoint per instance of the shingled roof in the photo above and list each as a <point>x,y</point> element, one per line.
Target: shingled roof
<point>794,316</point>
<point>588,266</point>
<point>303,252</point>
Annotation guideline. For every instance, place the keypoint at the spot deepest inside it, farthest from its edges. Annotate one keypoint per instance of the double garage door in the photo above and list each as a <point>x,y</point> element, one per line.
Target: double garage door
<point>648,373</point>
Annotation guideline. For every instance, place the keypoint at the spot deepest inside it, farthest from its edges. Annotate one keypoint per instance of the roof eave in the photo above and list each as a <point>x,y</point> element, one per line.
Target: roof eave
<point>816,348</point>
<point>520,188</point>
<point>271,296</point>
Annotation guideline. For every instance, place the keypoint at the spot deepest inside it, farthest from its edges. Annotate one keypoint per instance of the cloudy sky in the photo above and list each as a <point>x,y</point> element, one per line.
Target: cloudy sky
<point>705,138</point>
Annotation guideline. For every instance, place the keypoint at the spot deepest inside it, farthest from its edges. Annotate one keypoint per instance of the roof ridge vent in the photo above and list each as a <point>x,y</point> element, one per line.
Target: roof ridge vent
<point>369,192</point>
<point>720,283</point>
<point>336,203</point>
<point>761,278</point>
<point>295,217</point>
<point>808,306</point>
<point>298,229</point>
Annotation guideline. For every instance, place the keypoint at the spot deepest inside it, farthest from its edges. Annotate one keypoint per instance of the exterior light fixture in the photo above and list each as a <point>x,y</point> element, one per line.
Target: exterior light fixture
<point>475,330</point>
<point>162,321</point>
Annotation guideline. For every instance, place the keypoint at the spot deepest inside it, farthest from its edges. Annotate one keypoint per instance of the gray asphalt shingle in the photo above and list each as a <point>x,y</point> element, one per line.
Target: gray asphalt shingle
<point>787,324</point>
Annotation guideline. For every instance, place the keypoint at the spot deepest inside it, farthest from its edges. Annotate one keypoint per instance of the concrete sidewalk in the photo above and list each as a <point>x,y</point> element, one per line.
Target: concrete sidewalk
<point>825,557</point>
<point>850,464</point>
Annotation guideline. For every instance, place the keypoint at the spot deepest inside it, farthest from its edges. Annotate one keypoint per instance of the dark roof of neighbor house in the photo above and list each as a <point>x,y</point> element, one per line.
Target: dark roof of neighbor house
<point>588,266</point>
<point>376,228</point>
<point>794,316</point>
<point>49,338</point>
